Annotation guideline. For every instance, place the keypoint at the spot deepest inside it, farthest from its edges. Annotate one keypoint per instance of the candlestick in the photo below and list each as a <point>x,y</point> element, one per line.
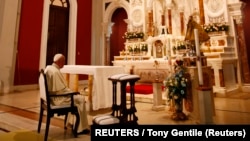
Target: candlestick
<point>197,47</point>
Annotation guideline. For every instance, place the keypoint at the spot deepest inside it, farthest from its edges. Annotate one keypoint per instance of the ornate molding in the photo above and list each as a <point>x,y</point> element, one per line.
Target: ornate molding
<point>236,7</point>
<point>149,75</point>
<point>238,19</point>
<point>216,10</point>
<point>217,19</point>
<point>107,28</point>
<point>135,3</point>
<point>137,16</point>
<point>112,7</point>
<point>236,11</point>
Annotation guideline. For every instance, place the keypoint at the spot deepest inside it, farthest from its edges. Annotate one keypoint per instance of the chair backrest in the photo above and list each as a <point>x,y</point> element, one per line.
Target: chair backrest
<point>43,87</point>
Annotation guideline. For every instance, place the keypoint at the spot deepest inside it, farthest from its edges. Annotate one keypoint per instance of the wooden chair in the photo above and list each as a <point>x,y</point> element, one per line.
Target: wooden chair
<point>45,105</point>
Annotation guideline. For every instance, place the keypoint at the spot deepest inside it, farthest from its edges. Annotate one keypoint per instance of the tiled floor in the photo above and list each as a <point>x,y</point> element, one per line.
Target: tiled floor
<point>19,114</point>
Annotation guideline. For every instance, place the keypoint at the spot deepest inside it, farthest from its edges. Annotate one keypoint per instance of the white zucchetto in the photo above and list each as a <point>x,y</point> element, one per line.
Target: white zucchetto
<point>57,57</point>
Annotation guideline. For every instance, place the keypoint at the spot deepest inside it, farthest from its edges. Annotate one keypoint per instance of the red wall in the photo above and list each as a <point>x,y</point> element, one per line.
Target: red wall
<point>27,61</point>
<point>83,39</point>
<point>28,55</point>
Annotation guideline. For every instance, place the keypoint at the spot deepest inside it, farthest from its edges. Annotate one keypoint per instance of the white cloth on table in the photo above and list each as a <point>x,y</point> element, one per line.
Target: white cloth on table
<point>102,87</point>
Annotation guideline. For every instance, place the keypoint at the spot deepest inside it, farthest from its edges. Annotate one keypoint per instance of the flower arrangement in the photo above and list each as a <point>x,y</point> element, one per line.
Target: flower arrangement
<point>133,35</point>
<point>176,84</point>
<point>215,27</point>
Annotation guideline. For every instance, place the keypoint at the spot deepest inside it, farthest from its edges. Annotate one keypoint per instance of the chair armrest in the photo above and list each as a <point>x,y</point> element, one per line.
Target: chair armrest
<point>63,94</point>
<point>58,94</point>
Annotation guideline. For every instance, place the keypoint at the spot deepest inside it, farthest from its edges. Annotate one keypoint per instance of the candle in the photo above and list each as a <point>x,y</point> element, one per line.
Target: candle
<point>198,60</point>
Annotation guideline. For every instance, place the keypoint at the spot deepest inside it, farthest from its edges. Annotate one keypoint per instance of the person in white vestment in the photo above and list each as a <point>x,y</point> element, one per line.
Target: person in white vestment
<point>57,83</point>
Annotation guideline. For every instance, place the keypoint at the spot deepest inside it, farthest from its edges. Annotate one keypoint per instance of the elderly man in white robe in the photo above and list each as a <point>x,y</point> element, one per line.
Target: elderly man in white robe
<point>57,83</point>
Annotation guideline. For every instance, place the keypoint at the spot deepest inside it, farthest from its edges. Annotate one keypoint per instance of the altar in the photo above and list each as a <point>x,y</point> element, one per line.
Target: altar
<point>146,69</point>
<point>100,89</point>
<point>148,72</point>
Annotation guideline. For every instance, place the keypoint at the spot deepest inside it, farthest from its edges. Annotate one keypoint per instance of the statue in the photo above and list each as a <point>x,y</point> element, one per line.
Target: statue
<point>192,24</point>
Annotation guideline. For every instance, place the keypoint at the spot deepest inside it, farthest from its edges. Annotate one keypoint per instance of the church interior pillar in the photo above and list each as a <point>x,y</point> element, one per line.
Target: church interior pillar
<point>150,24</point>
<point>202,17</point>
<point>107,51</point>
<point>221,76</point>
<point>169,21</point>
<point>244,66</point>
<point>182,23</point>
<point>162,19</point>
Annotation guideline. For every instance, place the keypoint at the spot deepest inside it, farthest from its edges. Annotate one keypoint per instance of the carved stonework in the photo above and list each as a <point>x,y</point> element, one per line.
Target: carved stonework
<point>223,41</point>
<point>149,75</point>
<point>135,3</point>
<point>215,11</point>
<point>238,19</point>
<point>137,16</point>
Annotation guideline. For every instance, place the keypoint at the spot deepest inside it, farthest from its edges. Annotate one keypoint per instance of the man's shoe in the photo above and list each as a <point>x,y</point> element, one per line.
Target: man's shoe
<point>85,131</point>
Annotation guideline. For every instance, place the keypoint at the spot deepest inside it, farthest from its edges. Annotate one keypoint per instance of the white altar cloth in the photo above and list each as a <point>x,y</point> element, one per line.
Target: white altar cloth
<point>102,87</point>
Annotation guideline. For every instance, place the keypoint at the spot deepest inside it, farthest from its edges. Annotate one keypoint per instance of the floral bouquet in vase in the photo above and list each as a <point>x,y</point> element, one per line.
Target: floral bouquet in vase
<point>176,89</point>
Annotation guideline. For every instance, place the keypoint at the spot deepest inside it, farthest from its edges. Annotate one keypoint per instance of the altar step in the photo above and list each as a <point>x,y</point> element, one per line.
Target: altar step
<point>219,55</point>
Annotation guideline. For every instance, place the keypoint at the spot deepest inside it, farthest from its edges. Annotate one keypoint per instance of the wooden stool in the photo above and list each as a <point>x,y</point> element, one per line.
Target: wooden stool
<point>120,111</point>
<point>124,113</point>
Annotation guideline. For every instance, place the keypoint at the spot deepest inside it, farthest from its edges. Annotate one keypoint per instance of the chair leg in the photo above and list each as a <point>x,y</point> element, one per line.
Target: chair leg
<point>47,128</point>
<point>40,120</point>
<point>65,121</point>
<point>76,124</point>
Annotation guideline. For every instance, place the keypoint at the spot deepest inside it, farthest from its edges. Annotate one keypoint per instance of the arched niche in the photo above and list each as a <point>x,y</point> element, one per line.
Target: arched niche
<point>158,49</point>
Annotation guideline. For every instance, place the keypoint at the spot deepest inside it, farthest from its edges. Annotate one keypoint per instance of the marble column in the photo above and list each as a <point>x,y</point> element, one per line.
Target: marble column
<point>169,21</point>
<point>221,78</point>
<point>243,56</point>
<point>108,31</point>
<point>182,22</point>
<point>202,17</point>
<point>107,51</point>
<point>150,23</point>
<point>162,19</point>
